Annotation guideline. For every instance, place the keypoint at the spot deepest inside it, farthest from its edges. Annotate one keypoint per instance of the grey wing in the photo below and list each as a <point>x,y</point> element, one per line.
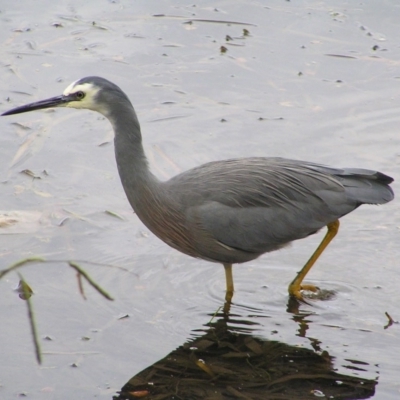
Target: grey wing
<point>361,185</point>
<point>258,205</point>
<point>258,216</point>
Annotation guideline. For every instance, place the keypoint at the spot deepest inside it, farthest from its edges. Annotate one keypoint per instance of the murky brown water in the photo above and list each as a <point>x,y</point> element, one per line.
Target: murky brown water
<point>312,81</point>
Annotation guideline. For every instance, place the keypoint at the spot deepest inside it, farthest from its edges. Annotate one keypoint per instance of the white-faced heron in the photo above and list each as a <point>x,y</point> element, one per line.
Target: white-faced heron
<point>229,211</point>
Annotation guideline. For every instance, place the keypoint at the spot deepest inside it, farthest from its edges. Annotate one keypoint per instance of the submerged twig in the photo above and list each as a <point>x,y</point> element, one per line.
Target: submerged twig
<point>80,285</point>
<point>26,292</point>
<point>390,321</point>
<point>72,264</point>
<point>89,280</point>
<point>21,263</point>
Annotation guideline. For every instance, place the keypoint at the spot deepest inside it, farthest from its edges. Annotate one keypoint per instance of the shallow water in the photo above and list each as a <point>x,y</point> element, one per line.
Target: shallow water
<point>312,81</point>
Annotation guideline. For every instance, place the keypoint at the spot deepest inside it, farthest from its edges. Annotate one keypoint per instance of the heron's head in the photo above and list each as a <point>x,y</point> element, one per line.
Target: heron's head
<point>92,93</point>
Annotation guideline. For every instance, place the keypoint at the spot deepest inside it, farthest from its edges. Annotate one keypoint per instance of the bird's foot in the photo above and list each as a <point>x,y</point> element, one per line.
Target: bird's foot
<point>296,291</point>
<point>310,288</point>
<point>305,292</point>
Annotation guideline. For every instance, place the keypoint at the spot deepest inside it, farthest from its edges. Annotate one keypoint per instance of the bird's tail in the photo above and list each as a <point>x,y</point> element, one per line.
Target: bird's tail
<point>366,186</point>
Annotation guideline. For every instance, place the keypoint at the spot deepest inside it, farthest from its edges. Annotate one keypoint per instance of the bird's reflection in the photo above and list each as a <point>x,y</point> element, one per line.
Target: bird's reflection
<point>226,361</point>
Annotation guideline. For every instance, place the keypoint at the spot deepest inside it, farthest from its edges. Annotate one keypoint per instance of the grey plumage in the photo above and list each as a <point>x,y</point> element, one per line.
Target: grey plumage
<point>257,205</point>
<point>229,211</point>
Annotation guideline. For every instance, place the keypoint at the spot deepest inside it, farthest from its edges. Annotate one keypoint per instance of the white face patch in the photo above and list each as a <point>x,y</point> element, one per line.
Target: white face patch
<point>69,89</point>
<point>88,102</point>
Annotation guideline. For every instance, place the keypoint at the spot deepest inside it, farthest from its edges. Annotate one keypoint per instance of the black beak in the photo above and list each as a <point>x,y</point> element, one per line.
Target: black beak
<point>39,105</point>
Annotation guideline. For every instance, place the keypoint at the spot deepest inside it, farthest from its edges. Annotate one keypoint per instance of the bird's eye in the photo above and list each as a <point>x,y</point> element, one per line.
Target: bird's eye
<point>79,95</point>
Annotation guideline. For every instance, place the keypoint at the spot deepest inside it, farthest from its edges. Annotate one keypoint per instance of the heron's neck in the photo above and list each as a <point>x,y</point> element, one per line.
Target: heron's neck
<point>132,164</point>
<point>148,196</point>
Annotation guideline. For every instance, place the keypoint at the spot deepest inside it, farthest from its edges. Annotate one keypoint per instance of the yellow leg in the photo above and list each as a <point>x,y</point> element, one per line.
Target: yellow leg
<point>296,286</point>
<point>229,282</point>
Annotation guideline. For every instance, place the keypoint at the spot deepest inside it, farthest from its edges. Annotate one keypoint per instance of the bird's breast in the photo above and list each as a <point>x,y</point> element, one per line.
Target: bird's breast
<point>165,220</point>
